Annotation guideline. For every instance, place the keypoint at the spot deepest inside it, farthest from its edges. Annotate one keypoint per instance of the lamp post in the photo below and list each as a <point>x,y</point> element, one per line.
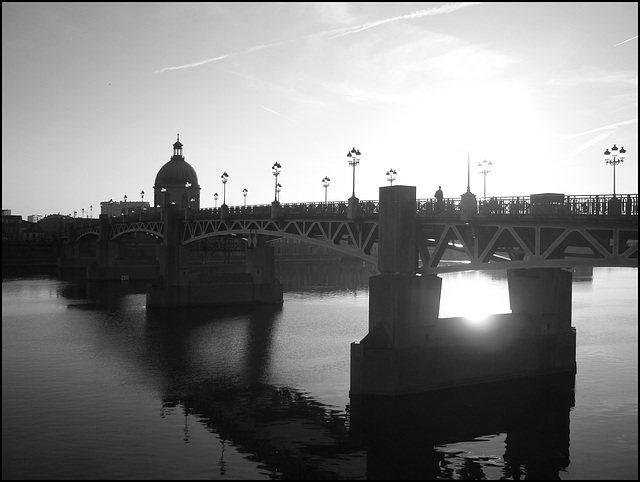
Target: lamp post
<point>278,188</point>
<point>244,193</point>
<point>163,190</point>
<point>325,183</point>
<point>614,157</point>
<point>484,172</point>
<point>188,186</point>
<point>225,178</point>
<point>142,195</point>
<point>91,207</point>
<point>276,170</point>
<point>215,199</point>
<point>391,176</point>
<point>125,203</point>
<point>354,160</point>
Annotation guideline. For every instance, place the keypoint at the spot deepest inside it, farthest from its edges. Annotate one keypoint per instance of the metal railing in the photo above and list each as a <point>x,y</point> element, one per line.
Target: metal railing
<point>539,205</point>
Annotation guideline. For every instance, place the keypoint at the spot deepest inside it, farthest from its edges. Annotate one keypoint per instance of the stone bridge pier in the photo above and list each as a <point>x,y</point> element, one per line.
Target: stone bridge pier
<point>180,285</point>
<point>410,350</point>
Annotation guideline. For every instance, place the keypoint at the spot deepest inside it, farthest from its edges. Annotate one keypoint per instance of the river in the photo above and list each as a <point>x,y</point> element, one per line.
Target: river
<point>94,386</point>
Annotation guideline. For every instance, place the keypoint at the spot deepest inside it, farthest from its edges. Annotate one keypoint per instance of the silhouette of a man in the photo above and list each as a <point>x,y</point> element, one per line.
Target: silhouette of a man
<point>439,196</point>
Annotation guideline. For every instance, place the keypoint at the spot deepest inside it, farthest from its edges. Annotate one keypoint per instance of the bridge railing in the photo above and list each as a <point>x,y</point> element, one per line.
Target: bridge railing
<point>538,204</point>
<point>560,204</point>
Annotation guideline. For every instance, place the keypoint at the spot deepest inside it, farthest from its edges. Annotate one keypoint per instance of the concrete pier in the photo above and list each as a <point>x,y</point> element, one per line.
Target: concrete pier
<point>409,350</point>
<point>183,286</point>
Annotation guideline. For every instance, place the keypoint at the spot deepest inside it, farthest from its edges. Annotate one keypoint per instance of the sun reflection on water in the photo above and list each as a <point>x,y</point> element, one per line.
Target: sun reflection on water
<point>475,295</point>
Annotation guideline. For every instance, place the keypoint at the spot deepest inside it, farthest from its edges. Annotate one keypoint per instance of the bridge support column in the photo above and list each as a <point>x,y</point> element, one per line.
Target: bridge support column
<point>544,296</point>
<point>179,286</point>
<point>468,206</point>
<point>106,253</point>
<point>172,254</point>
<point>409,350</point>
<point>276,210</point>
<point>614,206</point>
<point>260,263</point>
<point>353,208</point>
<point>403,306</point>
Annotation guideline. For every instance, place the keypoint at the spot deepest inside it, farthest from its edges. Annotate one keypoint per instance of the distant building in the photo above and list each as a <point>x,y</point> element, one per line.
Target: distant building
<point>32,233</point>
<point>117,208</point>
<point>11,225</point>
<point>177,182</point>
<point>34,218</point>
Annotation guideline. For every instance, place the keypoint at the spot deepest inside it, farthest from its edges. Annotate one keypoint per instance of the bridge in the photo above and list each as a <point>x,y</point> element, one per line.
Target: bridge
<point>408,348</point>
<point>537,231</point>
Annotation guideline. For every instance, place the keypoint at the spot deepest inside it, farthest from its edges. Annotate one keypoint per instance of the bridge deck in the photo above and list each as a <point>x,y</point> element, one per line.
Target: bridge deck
<point>547,230</point>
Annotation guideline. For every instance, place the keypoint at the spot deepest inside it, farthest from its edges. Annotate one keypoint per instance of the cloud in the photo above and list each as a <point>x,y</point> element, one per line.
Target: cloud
<point>417,14</point>
<point>586,145</point>
<point>602,128</point>
<point>625,41</point>
<point>333,33</point>
<point>276,113</point>
<point>594,76</point>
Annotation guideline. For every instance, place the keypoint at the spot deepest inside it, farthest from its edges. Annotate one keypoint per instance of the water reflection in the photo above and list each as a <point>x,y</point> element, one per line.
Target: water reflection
<point>294,436</point>
<point>214,367</point>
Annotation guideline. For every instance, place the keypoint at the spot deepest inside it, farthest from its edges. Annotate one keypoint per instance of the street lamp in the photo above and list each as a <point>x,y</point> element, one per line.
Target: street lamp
<point>325,183</point>
<point>91,207</point>
<point>278,188</point>
<point>215,198</point>
<point>354,160</point>
<point>125,203</point>
<point>276,170</point>
<point>244,193</point>
<point>484,172</point>
<point>163,190</point>
<point>188,185</point>
<point>391,176</point>
<point>614,158</point>
<point>142,195</point>
<point>225,178</point>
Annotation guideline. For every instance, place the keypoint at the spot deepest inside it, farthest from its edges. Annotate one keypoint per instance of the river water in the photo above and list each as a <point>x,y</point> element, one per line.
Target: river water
<point>94,386</point>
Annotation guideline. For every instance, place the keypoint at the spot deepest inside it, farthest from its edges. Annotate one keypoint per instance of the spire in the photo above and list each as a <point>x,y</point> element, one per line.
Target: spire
<point>177,148</point>
<point>468,171</point>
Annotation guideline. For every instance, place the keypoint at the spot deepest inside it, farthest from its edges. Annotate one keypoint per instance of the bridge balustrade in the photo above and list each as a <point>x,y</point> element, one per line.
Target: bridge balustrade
<point>592,205</point>
<point>569,205</point>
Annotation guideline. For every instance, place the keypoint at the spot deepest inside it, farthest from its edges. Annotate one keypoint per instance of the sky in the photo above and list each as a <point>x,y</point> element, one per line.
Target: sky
<point>95,94</point>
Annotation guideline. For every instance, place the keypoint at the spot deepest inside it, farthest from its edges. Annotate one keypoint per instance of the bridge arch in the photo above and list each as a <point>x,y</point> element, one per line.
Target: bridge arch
<point>248,234</point>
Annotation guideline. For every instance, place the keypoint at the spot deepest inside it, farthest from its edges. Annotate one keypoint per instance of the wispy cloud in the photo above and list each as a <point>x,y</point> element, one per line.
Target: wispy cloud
<point>221,57</point>
<point>417,14</point>
<point>333,33</point>
<point>591,75</point>
<point>625,41</point>
<point>277,113</point>
<point>608,127</point>
<point>608,130</point>
<point>586,145</point>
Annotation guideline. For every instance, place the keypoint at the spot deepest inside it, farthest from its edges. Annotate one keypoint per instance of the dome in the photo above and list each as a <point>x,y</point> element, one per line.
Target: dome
<point>176,172</point>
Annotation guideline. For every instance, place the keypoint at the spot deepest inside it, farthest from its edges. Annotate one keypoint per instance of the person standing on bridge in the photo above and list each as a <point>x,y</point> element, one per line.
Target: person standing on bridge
<point>439,197</point>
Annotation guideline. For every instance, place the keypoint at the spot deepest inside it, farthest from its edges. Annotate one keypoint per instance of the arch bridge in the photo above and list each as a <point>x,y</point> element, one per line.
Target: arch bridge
<point>537,231</point>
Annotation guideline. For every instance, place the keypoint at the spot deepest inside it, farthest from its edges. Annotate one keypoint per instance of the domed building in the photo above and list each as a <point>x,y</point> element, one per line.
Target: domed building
<point>177,182</point>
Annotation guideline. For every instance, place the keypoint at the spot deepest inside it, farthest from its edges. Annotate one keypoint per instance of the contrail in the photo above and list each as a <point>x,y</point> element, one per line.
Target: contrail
<point>628,40</point>
<point>221,57</point>
<point>334,32</point>
<point>276,113</point>
<point>416,14</point>
<point>610,126</point>
<point>587,144</point>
